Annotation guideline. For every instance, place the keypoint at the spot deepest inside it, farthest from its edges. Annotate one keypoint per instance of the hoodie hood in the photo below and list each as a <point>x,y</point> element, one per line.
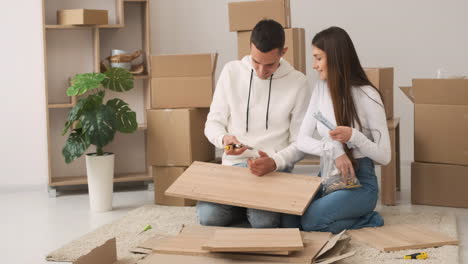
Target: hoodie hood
<point>283,70</point>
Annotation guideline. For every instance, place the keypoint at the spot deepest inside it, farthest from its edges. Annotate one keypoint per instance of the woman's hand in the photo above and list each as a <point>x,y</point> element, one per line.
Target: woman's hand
<point>343,163</point>
<point>341,134</point>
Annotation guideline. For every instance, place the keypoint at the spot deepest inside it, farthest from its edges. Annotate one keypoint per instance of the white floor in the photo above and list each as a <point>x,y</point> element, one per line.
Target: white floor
<point>32,224</point>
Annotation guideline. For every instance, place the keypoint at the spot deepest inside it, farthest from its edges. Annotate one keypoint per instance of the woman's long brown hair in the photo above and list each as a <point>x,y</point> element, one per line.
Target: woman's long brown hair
<point>344,73</point>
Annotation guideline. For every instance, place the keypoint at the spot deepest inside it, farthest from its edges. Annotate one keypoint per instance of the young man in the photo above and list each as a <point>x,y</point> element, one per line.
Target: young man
<point>259,102</point>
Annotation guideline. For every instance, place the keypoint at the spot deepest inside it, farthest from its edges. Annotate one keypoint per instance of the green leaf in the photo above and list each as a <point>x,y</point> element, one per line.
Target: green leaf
<point>125,118</point>
<point>76,144</point>
<point>82,83</point>
<point>89,103</point>
<point>99,125</point>
<point>118,79</point>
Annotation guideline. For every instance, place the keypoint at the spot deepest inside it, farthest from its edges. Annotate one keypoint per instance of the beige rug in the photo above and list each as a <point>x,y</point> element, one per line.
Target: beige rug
<point>169,220</point>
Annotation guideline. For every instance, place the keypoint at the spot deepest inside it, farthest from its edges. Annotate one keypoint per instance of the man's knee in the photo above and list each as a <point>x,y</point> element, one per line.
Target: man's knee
<point>263,219</point>
<point>210,214</point>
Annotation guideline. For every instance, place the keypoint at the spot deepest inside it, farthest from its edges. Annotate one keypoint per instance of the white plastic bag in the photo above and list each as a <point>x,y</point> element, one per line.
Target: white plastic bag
<point>332,179</point>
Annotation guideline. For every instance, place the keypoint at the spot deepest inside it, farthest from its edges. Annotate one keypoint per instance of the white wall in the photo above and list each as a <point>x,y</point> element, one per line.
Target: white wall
<point>23,147</point>
<point>416,37</point>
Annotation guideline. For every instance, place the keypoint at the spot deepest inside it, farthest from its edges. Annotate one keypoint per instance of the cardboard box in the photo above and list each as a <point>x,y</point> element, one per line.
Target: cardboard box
<point>82,17</point>
<point>175,137</point>
<point>439,184</point>
<point>163,177</point>
<point>294,40</point>
<point>382,79</point>
<point>245,15</point>
<point>182,81</point>
<point>183,65</point>
<point>440,120</point>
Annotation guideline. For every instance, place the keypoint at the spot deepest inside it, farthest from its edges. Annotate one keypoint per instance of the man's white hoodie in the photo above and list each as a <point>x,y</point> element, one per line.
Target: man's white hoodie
<point>274,117</point>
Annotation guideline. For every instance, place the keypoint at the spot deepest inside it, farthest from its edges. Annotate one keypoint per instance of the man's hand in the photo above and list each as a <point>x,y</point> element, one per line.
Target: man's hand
<point>341,134</point>
<point>343,163</point>
<point>229,140</point>
<point>263,165</point>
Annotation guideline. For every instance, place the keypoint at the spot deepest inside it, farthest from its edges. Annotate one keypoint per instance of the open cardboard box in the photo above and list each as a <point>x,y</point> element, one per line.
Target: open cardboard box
<point>440,120</point>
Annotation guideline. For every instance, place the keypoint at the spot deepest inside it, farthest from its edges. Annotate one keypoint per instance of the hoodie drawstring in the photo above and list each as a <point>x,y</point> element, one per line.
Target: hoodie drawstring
<point>248,103</point>
<point>268,105</point>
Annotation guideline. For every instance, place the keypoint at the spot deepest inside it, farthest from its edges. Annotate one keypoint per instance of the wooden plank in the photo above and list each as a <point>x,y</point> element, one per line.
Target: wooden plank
<point>190,242</point>
<point>248,240</point>
<point>78,180</point>
<point>401,237</point>
<point>190,239</point>
<point>181,259</point>
<point>276,191</point>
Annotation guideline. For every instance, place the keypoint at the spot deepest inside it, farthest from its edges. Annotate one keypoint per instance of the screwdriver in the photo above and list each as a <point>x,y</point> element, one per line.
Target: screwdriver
<point>236,146</point>
<point>419,255</point>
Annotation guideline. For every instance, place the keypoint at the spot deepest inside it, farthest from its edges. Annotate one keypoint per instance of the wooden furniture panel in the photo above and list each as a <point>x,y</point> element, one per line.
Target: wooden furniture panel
<point>401,237</point>
<point>276,191</point>
<point>245,240</point>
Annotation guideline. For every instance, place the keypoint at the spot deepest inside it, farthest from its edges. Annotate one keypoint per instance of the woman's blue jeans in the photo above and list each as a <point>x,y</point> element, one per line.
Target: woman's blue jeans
<point>342,209</point>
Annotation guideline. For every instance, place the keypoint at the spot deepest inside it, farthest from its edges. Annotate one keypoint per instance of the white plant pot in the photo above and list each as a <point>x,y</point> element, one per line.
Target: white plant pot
<point>100,171</point>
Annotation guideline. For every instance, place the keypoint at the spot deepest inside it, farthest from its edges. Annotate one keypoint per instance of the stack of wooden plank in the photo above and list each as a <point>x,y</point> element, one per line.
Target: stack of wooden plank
<point>201,244</point>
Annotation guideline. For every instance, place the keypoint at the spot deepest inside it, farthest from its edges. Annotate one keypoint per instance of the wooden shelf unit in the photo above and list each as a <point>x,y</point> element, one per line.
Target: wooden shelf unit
<point>137,13</point>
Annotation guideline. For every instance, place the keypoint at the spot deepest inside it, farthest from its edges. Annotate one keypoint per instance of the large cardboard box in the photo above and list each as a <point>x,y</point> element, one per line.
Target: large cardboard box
<point>82,17</point>
<point>382,79</point>
<point>294,40</point>
<point>163,177</point>
<point>175,137</point>
<point>182,81</point>
<point>439,184</point>
<point>245,15</point>
<point>440,120</point>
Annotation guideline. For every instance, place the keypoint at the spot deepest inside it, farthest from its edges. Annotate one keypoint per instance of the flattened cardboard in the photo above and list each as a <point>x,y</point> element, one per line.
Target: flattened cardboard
<point>245,15</point>
<point>163,177</point>
<point>439,184</point>
<point>441,133</point>
<point>336,258</point>
<point>337,250</point>
<point>401,237</point>
<point>251,240</point>
<point>82,17</point>
<point>294,40</point>
<point>104,254</point>
<point>175,137</point>
<point>331,243</point>
<point>276,191</point>
<point>382,79</point>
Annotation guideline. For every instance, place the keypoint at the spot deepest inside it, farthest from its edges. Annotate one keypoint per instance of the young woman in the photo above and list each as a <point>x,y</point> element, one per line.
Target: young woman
<point>345,96</point>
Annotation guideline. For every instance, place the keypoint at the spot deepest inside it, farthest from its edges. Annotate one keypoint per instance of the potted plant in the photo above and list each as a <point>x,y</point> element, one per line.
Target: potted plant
<point>94,122</point>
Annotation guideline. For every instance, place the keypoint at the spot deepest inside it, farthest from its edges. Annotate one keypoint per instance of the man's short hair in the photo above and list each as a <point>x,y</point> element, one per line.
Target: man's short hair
<point>268,35</point>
